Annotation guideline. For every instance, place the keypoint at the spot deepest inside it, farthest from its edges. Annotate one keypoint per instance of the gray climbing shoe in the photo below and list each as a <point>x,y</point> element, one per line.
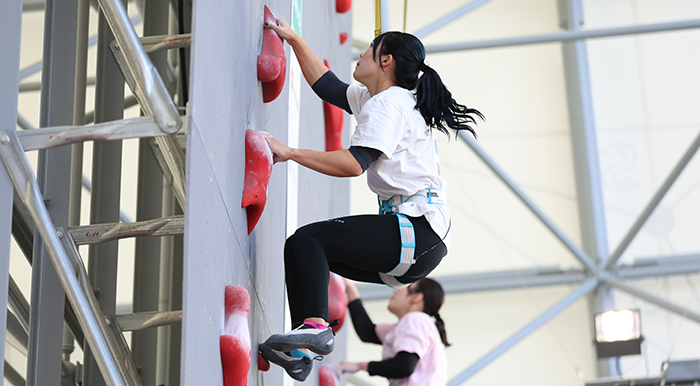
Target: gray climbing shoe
<point>297,364</point>
<point>321,341</point>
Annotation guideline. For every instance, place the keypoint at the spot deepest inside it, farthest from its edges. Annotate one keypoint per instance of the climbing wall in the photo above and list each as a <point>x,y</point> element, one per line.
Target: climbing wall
<point>226,98</point>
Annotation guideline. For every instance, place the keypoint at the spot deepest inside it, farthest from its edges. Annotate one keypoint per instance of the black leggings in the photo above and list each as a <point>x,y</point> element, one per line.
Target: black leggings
<point>355,247</point>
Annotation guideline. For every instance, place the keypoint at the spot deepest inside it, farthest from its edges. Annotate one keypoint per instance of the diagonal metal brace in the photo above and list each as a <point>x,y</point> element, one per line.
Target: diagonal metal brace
<point>69,269</point>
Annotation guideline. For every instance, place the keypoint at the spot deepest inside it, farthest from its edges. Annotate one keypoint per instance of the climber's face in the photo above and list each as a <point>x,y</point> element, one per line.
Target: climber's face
<point>404,301</point>
<point>368,70</point>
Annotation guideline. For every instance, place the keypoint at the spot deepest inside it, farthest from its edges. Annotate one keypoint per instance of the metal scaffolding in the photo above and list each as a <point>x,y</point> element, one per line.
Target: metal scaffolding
<point>50,202</point>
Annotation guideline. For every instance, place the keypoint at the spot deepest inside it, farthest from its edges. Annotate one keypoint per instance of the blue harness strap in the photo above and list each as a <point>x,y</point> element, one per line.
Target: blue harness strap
<point>408,235</point>
<point>408,252</point>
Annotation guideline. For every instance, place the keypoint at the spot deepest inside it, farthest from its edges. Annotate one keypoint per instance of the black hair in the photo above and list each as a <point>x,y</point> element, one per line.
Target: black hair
<point>433,297</point>
<point>433,99</point>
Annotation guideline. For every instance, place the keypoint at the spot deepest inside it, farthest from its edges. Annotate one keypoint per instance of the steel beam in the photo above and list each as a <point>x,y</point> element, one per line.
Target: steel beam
<point>589,190</point>
<point>150,90</point>
<point>10,30</point>
<point>145,320</point>
<point>18,338</point>
<point>36,67</point>
<point>13,376</point>
<point>53,172</point>
<point>449,18</point>
<point>585,288</point>
<point>110,131</point>
<point>19,304</point>
<point>660,266</point>
<point>106,185</point>
<point>545,276</point>
<point>64,257</point>
<point>149,205</point>
<point>563,238</point>
<point>489,281</point>
<point>653,299</point>
<point>100,233</point>
<point>654,202</point>
<point>563,36</point>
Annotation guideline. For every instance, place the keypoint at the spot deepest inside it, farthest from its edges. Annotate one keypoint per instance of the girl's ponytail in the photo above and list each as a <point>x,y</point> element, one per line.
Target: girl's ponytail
<point>433,297</point>
<point>433,99</point>
<point>439,109</point>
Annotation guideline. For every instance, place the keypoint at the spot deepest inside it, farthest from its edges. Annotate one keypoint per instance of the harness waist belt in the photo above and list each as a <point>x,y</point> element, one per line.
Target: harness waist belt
<point>430,196</point>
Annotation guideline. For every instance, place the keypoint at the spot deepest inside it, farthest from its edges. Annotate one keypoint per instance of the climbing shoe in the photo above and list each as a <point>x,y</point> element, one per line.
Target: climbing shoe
<point>313,336</point>
<point>297,364</point>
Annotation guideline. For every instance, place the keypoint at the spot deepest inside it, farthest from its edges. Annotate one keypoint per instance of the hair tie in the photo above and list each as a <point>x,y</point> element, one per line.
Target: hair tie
<point>425,64</point>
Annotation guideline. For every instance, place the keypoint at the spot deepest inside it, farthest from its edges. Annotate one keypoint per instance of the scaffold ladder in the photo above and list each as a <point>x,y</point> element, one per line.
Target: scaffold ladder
<point>103,333</point>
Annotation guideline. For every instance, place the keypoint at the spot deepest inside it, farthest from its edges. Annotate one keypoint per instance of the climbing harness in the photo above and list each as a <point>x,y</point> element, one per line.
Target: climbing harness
<point>431,196</point>
<point>408,234</point>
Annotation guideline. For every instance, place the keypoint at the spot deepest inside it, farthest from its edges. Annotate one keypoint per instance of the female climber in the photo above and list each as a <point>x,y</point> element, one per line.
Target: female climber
<point>393,142</point>
<point>413,348</point>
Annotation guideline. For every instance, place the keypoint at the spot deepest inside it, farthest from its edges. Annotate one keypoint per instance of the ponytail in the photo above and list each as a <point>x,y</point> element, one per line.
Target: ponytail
<point>439,109</point>
<point>433,297</point>
<point>440,324</point>
<point>433,99</point>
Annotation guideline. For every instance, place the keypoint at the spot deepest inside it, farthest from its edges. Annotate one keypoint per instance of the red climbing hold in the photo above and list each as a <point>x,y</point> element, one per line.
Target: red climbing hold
<point>272,64</point>
<point>263,364</point>
<point>342,6</point>
<point>343,37</point>
<point>326,376</point>
<point>334,119</point>
<point>235,340</point>
<point>258,168</point>
<point>337,302</point>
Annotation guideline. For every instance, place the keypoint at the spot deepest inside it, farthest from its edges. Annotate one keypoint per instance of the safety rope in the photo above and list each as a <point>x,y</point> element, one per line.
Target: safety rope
<point>405,11</point>
<point>377,18</point>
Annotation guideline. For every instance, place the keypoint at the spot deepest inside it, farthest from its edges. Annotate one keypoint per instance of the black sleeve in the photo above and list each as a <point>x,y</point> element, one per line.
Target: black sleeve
<point>364,155</point>
<point>332,90</point>
<point>362,323</point>
<point>400,366</point>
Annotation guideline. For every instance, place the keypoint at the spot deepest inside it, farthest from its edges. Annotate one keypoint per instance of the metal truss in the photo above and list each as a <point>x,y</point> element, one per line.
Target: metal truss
<point>595,272</point>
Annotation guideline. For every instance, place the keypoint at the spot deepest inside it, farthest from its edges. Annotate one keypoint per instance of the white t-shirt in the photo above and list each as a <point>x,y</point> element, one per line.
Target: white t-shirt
<point>416,333</point>
<point>409,162</point>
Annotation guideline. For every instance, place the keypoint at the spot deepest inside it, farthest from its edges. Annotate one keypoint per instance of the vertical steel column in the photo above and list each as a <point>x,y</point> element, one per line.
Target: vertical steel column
<point>10,30</point>
<point>76,172</point>
<point>53,176</point>
<point>144,343</point>
<point>585,151</point>
<point>172,256</point>
<point>106,184</point>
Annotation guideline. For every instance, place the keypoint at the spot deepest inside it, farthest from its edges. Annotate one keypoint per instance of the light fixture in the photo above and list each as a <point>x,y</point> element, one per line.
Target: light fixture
<point>618,333</point>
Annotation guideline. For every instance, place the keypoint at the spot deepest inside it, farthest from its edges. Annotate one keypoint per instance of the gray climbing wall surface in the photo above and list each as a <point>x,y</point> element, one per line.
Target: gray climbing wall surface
<point>225,100</point>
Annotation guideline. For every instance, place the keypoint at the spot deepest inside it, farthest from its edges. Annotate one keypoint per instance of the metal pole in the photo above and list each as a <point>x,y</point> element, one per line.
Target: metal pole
<point>654,202</point>
<point>449,18</point>
<point>53,172</point>
<point>585,288</point>
<point>589,191</point>
<point>577,252</point>
<point>144,344</point>
<point>10,30</point>
<point>684,312</point>
<point>13,376</point>
<point>19,304</point>
<point>17,164</point>
<point>564,36</point>
<point>32,5</point>
<point>106,184</point>
<point>155,98</point>
<point>173,256</point>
